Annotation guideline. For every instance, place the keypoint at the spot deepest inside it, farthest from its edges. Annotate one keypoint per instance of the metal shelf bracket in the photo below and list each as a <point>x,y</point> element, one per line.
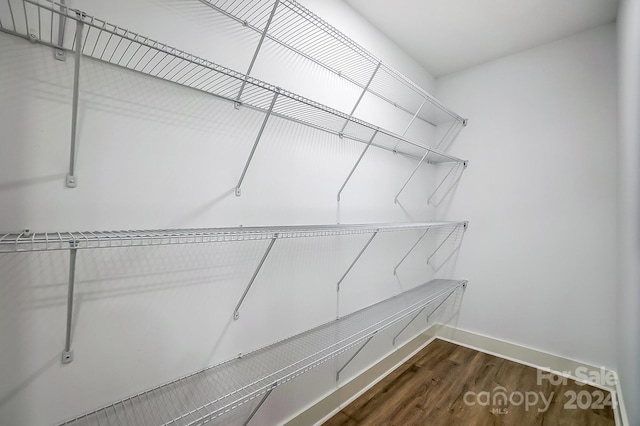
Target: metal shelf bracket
<point>451,134</point>
<point>72,180</point>
<point>464,286</point>
<point>410,250</point>
<point>355,260</point>
<point>424,157</point>
<point>353,356</point>
<point>255,144</point>
<point>406,129</point>
<point>408,324</point>
<point>464,226</point>
<point>442,303</point>
<point>364,91</point>
<point>456,166</point>
<point>67,354</point>
<point>355,166</point>
<point>264,398</point>
<point>236,311</point>
<point>59,53</point>
<point>255,54</point>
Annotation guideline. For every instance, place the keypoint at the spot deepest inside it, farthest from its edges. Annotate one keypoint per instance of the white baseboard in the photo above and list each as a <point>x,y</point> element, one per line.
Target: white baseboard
<point>336,400</point>
<point>541,360</point>
<point>328,405</point>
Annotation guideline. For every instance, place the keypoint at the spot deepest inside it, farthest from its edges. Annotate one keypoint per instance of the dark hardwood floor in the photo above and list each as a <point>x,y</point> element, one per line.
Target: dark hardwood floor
<point>447,384</point>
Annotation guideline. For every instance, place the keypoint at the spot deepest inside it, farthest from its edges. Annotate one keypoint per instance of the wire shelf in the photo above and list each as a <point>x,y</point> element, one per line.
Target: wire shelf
<point>210,393</point>
<point>43,241</point>
<point>298,29</point>
<point>106,42</point>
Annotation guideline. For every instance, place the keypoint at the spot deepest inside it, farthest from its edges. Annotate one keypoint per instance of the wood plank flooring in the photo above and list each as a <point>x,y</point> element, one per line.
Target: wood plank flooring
<point>448,384</point>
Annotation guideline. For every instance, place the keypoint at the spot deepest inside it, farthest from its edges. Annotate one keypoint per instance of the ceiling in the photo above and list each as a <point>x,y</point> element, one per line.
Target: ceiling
<point>446,36</point>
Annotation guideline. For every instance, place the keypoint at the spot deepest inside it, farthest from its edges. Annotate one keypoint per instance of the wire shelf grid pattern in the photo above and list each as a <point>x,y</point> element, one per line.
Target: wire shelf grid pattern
<point>106,42</point>
<point>298,29</point>
<point>43,241</point>
<point>207,394</point>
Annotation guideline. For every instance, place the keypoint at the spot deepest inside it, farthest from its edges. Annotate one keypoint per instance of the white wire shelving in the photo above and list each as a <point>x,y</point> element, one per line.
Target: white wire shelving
<point>213,392</point>
<point>27,241</point>
<point>71,30</point>
<point>208,394</point>
<point>294,27</point>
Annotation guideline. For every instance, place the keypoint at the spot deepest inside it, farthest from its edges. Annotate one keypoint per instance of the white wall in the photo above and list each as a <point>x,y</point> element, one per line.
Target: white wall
<point>629,206</point>
<point>540,194</point>
<point>154,155</point>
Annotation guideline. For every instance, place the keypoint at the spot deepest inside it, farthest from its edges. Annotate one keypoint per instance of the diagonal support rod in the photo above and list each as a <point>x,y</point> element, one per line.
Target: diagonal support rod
<point>443,241</point>
<point>364,90</point>
<point>264,398</point>
<point>456,166</point>
<point>424,157</point>
<point>464,285</point>
<point>67,354</point>
<point>356,260</point>
<point>410,250</point>
<point>406,129</point>
<point>255,54</point>
<point>255,144</point>
<point>355,166</point>
<point>72,180</point>
<point>452,133</point>
<point>353,356</point>
<point>408,324</point>
<point>236,313</point>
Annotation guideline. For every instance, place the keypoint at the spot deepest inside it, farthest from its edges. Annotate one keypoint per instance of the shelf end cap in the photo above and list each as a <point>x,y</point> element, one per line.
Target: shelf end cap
<point>71,181</point>
<point>67,357</point>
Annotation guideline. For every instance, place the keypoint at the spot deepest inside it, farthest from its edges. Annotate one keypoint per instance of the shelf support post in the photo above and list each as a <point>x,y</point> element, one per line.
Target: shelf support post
<point>353,356</point>
<point>236,313</point>
<point>406,129</point>
<point>357,162</point>
<point>72,180</point>
<point>457,125</point>
<point>67,354</point>
<point>264,398</point>
<point>255,54</point>
<point>455,166</point>
<point>59,53</point>
<point>255,144</point>
<point>356,260</point>
<point>444,241</point>
<point>364,90</point>
<point>408,324</point>
<point>464,285</point>
<point>424,157</point>
<point>410,250</point>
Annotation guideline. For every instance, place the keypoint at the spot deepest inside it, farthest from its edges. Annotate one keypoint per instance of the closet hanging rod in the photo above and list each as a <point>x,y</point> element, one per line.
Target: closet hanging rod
<point>112,44</point>
<point>27,241</point>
